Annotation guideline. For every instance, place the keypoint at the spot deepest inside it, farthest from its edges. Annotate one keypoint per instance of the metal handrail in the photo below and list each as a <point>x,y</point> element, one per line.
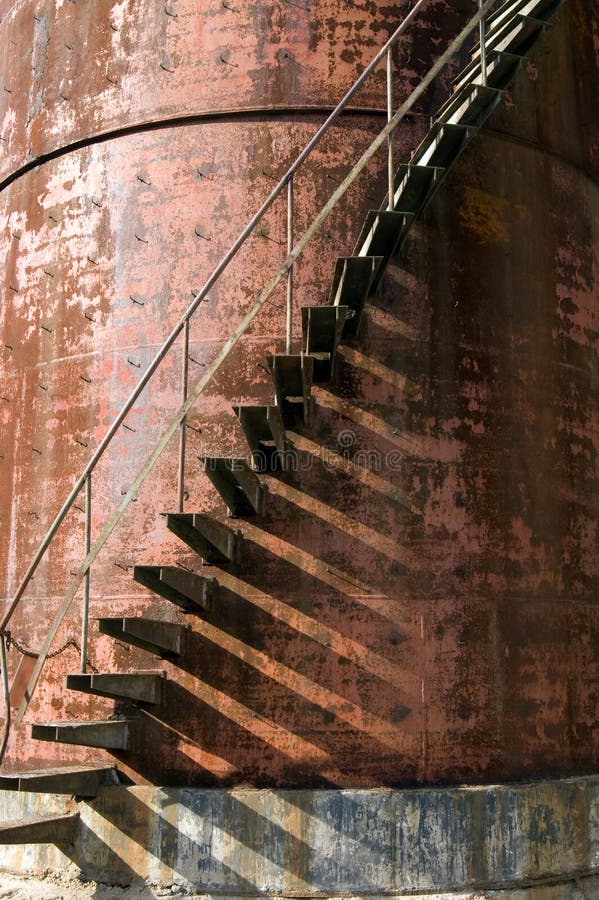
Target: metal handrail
<point>191,396</point>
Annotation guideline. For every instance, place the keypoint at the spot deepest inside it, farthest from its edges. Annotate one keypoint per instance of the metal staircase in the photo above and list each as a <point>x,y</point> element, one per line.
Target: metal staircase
<point>509,33</point>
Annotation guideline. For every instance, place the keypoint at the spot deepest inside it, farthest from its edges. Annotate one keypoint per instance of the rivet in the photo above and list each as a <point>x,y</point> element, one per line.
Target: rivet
<point>143,240</point>
<point>45,328</point>
<point>124,568</point>
<point>81,443</point>
<point>228,6</point>
<point>199,234</point>
<point>33,513</point>
<point>80,508</point>
<point>96,202</point>
<point>111,80</point>
<point>133,363</point>
<point>6,399</point>
<point>68,46</point>
<point>170,12</point>
<point>52,217</point>
<point>196,361</point>
<point>90,318</point>
<point>8,90</point>
<point>35,450</point>
<point>3,139</point>
<point>9,347</point>
<point>48,272</point>
<point>44,387</point>
<point>193,428</point>
<point>113,26</point>
<point>64,96</point>
<point>129,427</point>
<point>143,179</point>
<point>136,300</point>
<point>92,260</point>
<point>13,288</point>
<point>167,67</point>
<point>16,235</point>
<point>86,379</point>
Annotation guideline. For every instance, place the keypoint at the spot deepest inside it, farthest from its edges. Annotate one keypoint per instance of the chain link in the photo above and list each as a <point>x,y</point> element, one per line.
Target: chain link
<point>25,651</point>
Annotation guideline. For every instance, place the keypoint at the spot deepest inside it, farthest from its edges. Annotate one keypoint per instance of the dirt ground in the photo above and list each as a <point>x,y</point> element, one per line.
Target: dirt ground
<point>68,886</point>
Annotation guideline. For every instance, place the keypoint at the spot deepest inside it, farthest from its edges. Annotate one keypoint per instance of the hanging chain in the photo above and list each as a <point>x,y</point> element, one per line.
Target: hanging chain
<point>25,651</point>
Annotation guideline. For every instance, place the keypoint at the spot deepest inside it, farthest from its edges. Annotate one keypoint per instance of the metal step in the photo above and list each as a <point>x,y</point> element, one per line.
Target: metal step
<point>237,484</point>
<point>501,68</point>
<point>110,734</point>
<point>77,781</point>
<point>414,186</point>
<point>139,687</point>
<point>472,105</point>
<point>164,639</point>
<point>383,233</point>
<point>442,145</point>
<point>264,429</point>
<point>40,830</point>
<point>539,9</point>
<point>191,592</point>
<point>214,541</point>
<point>516,34</point>
<point>322,327</point>
<point>292,376</point>
<point>352,283</point>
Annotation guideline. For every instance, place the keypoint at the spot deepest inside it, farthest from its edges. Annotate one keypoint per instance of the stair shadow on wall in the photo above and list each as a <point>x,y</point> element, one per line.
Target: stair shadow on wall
<point>270,723</point>
<point>195,837</point>
<point>366,629</point>
<point>206,737</point>
<point>99,861</point>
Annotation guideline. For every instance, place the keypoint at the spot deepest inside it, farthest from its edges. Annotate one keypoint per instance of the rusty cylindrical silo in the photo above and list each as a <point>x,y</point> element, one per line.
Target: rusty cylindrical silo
<point>415,606</point>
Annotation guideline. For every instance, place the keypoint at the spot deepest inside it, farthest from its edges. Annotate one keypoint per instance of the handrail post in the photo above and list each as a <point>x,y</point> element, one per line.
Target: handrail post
<point>289,330</point>
<point>390,167</point>
<point>482,33</point>
<point>183,430</point>
<point>88,543</point>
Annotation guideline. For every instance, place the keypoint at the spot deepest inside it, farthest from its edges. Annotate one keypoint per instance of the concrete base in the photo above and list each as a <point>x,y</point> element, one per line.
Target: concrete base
<point>537,840</point>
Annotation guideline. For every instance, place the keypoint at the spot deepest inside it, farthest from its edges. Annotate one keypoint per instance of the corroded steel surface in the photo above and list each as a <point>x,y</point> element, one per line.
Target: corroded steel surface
<point>418,604</point>
<point>71,72</point>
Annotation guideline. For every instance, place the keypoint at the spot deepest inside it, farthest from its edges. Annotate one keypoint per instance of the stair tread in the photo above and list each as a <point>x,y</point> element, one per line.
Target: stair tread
<point>474,101</point>
<point>139,687</point>
<point>185,589</point>
<point>82,780</point>
<point>237,483</point>
<point>111,734</point>
<point>35,820</point>
<point>352,281</point>
<point>292,377</point>
<point>214,541</point>
<point>382,231</point>
<point>501,68</point>
<point>517,33</point>
<point>51,829</point>
<point>264,430</point>
<point>414,184</point>
<point>154,635</point>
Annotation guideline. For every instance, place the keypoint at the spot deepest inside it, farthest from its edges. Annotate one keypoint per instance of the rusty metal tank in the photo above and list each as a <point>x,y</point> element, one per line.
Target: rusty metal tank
<point>418,603</point>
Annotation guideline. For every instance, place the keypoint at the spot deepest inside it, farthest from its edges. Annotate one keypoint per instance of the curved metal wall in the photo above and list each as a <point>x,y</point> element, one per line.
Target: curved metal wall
<point>418,603</point>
